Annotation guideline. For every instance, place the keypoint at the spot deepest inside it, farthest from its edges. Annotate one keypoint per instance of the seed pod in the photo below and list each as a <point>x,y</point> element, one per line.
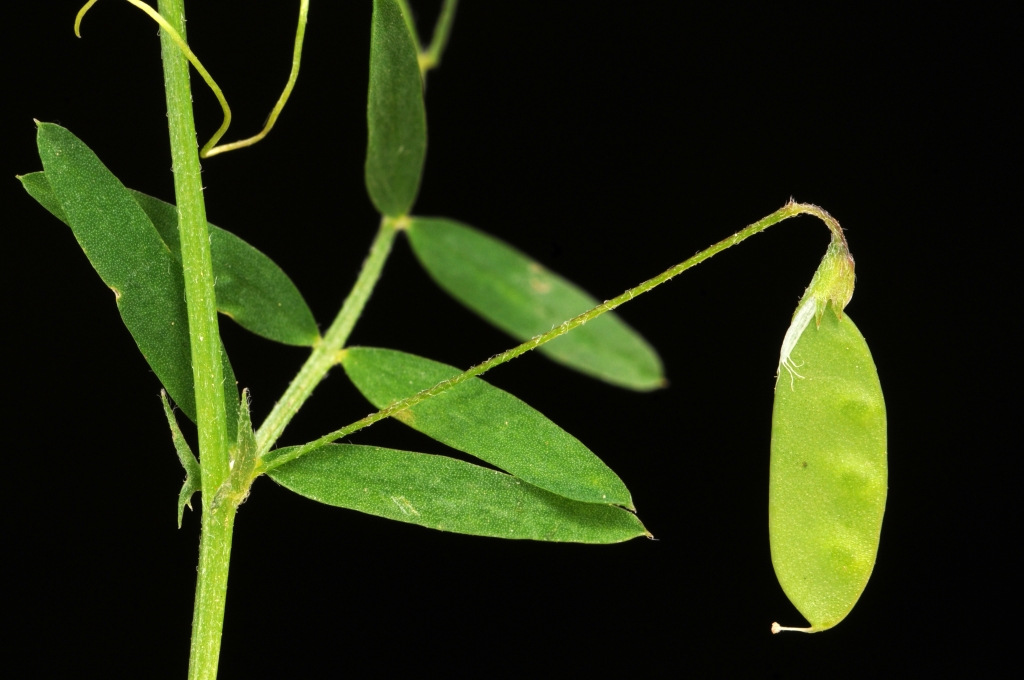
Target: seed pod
<point>828,468</point>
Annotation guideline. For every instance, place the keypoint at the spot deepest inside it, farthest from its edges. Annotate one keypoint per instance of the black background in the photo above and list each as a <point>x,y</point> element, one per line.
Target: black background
<point>609,141</point>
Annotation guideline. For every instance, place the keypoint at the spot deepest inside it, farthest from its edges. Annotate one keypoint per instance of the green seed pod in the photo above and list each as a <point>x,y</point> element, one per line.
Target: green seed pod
<point>828,467</point>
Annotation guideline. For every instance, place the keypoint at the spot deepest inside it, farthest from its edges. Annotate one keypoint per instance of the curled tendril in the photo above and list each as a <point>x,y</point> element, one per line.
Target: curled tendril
<point>300,33</point>
<point>210,148</point>
<point>81,13</point>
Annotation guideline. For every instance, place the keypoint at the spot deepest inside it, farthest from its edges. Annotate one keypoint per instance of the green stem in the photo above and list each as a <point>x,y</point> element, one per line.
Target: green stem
<point>211,590</point>
<point>325,354</point>
<point>791,209</point>
<point>215,546</point>
<point>195,256</point>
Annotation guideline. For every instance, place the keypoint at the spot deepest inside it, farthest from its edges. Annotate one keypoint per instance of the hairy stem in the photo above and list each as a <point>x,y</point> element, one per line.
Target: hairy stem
<point>195,257</point>
<point>211,590</point>
<point>215,546</point>
<point>325,354</point>
<point>791,209</point>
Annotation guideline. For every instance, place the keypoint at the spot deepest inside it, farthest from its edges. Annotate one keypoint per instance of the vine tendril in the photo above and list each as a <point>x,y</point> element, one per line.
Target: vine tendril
<point>211,148</point>
<point>300,34</point>
<point>81,13</point>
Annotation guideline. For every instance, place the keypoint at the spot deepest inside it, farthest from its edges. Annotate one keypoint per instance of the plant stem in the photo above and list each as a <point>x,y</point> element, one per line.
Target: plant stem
<point>211,590</point>
<point>195,256</point>
<point>215,546</point>
<point>325,354</point>
<point>791,209</point>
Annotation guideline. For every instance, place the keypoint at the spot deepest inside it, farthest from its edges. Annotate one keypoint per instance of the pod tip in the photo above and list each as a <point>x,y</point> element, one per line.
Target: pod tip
<point>776,628</point>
